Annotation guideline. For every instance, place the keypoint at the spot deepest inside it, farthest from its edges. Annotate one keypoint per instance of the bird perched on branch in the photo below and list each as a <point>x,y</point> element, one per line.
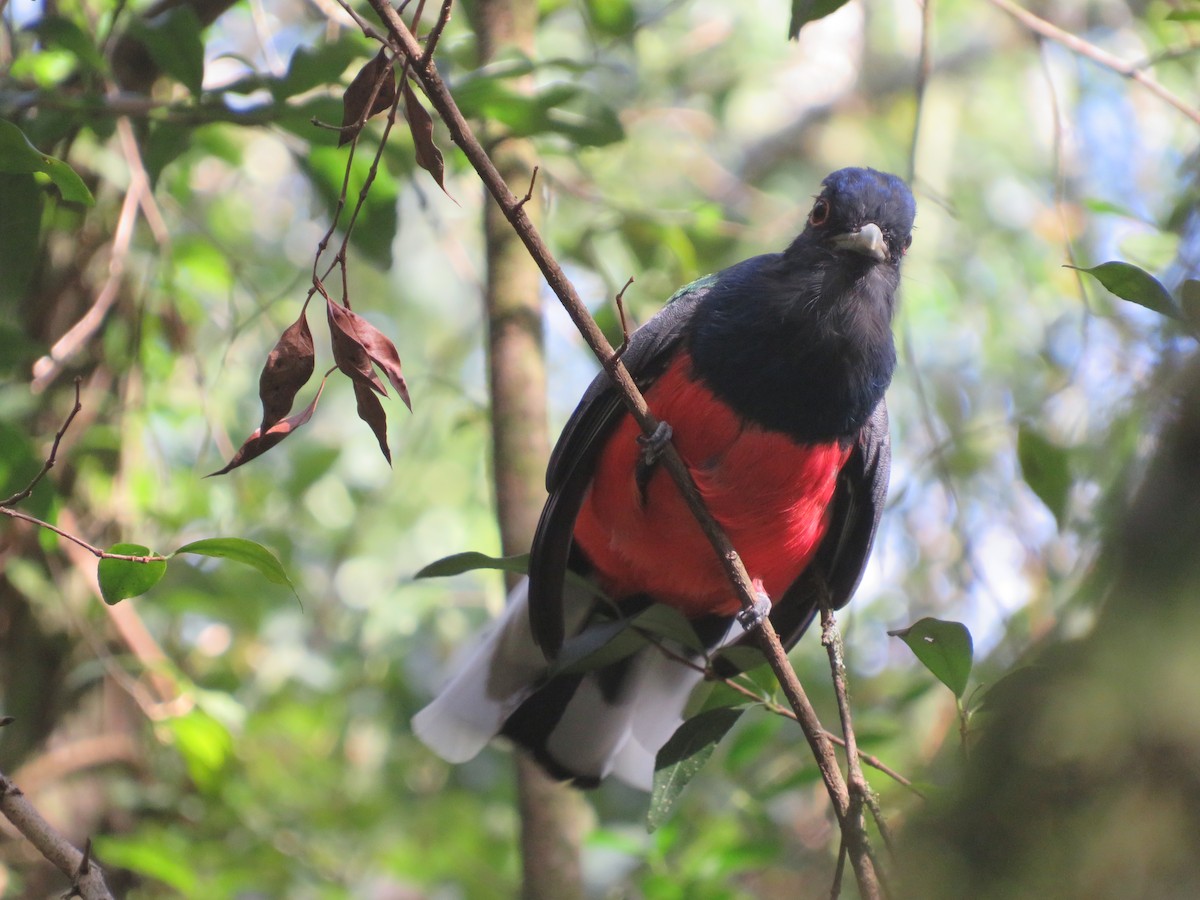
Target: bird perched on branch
<point>769,377</point>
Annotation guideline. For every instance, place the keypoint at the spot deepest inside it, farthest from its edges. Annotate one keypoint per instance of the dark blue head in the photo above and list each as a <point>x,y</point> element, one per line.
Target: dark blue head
<point>801,342</point>
<point>863,212</point>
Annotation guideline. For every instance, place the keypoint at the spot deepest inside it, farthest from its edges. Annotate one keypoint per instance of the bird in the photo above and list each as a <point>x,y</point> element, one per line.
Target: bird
<point>768,377</point>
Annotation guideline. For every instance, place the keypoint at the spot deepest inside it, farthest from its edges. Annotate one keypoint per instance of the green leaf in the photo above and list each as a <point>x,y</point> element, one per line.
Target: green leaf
<point>122,578</point>
<point>313,67</point>
<point>563,108</point>
<point>805,11</point>
<point>162,855</point>
<point>174,42</point>
<point>21,202</point>
<point>1107,207</point>
<point>166,142</point>
<point>944,648</point>
<point>597,646</point>
<point>615,18</point>
<point>1047,470</point>
<point>56,31</point>
<point>248,553</point>
<point>458,563</point>
<point>205,745</point>
<point>19,157</point>
<point>1183,15</point>
<point>666,622</point>
<point>604,643</point>
<point>1134,284</point>
<point>684,755</point>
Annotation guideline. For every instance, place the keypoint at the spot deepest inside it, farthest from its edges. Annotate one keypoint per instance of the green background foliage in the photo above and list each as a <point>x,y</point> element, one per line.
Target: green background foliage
<point>243,744</point>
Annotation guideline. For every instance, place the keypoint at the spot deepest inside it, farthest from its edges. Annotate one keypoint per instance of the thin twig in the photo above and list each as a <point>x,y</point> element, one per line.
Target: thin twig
<point>431,42</point>
<point>87,880</point>
<point>924,68</point>
<point>774,708</point>
<point>529,193</point>
<point>856,782</point>
<point>839,870</point>
<point>367,28</point>
<point>620,302</point>
<point>90,548</point>
<point>52,457</point>
<point>1101,57</point>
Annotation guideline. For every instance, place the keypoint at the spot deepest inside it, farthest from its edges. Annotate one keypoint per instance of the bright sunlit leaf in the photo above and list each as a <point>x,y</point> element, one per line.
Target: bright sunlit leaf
<point>123,578</point>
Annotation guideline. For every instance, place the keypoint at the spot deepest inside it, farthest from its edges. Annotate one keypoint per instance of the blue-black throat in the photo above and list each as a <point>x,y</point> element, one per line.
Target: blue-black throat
<point>800,342</point>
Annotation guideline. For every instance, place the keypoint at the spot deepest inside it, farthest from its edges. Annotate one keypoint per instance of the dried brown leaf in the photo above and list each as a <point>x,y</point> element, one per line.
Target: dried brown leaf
<point>348,350</point>
<point>261,441</point>
<point>289,366</point>
<point>370,410</point>
<point>378,70</point>
<point>429,157</point>
<point>382,352</point>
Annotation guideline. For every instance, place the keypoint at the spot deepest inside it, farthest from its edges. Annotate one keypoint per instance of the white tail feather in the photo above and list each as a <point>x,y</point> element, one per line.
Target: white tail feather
<point>488,686</point>
<point>595,735</point>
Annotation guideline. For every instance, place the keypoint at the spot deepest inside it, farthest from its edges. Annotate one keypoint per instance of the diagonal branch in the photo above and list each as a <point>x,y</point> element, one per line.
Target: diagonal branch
<point>1098,55</point>
<point>87,880</point>
<point>439,95</point>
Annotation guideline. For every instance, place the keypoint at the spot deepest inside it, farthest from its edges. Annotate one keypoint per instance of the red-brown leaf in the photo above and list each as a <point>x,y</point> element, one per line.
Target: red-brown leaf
<point>261,441</point>
<point>370,410</point>
<point>378,70</point>
<point>288,368</point>
<point>429,157</point>
<point>381,351</point>
<point>348,350</point>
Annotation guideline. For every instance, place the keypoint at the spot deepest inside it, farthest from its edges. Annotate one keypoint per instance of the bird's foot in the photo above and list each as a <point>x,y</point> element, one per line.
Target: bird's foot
<point>752,618</point>
<point>653,446</point>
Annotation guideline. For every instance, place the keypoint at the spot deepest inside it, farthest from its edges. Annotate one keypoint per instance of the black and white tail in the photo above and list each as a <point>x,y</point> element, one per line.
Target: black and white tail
<point>582,728</point>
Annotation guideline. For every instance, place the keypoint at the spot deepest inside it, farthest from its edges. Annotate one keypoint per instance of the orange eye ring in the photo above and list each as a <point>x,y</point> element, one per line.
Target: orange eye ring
<point>820,213</point>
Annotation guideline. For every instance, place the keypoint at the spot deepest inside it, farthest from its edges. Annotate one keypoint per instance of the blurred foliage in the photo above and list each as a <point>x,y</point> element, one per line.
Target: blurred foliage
<point>219,739</point>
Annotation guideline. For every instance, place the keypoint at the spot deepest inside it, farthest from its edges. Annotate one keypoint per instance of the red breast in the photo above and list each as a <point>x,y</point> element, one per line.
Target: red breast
<point>770,494</point>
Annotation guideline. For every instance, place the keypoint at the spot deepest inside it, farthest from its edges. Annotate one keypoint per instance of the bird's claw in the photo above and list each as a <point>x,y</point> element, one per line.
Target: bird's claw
<point>753,617</point>
<point>654,444</point>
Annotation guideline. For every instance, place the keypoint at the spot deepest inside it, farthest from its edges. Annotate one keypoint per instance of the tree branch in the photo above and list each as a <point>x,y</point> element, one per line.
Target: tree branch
<point>1076,44</point>
<point>87,880</point>
<point>438,94</point>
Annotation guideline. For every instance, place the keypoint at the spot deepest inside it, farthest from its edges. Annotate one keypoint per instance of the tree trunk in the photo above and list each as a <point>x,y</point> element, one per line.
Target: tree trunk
<point>551,814</point>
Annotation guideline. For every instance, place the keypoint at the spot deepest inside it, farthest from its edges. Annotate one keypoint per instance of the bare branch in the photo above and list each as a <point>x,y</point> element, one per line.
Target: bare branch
<point>856,782</point>
<point>529,193</point>
<point>431,42</point>
<point>620,301</point>
<point>52,457</point>
<point>90,548</point>
<point>1076,44</point>
<point>87,880</point>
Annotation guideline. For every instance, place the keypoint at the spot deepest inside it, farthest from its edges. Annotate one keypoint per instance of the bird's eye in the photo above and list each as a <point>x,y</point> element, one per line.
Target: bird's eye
<point>907,244</point>
<point>820,212</point>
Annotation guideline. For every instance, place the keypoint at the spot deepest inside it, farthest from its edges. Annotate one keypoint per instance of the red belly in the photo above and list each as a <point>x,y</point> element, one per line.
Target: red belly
<point>769,493</point>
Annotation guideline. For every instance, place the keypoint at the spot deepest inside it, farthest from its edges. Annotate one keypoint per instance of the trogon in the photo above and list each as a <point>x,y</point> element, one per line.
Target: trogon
<point>770,378</point>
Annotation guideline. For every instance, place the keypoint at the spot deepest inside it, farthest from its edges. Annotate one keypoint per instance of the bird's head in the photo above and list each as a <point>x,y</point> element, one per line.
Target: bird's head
<point>861,215</point>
